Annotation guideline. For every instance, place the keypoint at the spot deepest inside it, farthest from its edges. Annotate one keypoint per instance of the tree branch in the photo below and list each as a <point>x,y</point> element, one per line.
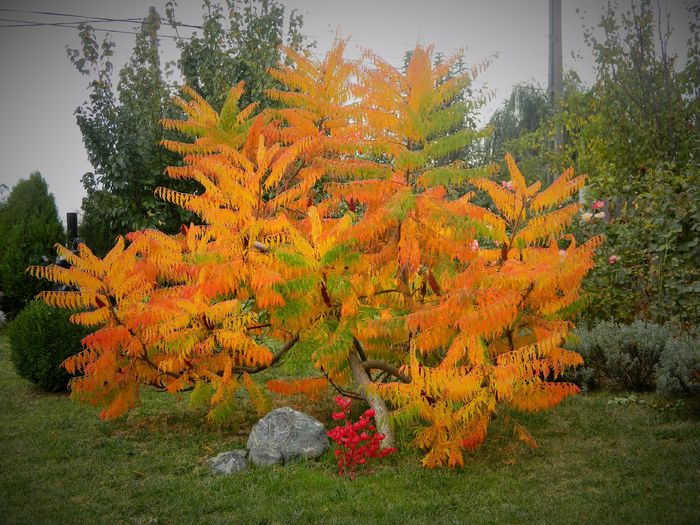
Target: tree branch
<point>258,326</point>
<point>341,390</point>
<point>144,355</point>
<point>359,349</point>
<point>373,364</point>
<point>380,292</point>
<point>261,247</point>
<point>276,357</point>
<point>374,400</point>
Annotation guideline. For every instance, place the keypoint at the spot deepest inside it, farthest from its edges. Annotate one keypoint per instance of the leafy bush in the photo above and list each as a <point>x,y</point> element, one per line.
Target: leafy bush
<point>586,377</point>
<point>678,371</point>
<point>41,337</point>
<point>643,164</point>
<point>624,355</point>
<point>647,267</point>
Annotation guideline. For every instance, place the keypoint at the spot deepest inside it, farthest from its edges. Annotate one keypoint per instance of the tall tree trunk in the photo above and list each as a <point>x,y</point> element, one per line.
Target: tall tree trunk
<point>381,412</point>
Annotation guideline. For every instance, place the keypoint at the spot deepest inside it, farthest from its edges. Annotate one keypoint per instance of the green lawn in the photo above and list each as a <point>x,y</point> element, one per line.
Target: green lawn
<point>598,461</point>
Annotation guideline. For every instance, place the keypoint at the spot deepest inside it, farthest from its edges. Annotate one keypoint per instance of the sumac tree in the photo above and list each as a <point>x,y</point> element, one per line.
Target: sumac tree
<point>327,223</point>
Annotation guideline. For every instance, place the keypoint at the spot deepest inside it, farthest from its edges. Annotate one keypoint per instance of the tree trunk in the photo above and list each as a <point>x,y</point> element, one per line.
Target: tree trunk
<point>381,412</point>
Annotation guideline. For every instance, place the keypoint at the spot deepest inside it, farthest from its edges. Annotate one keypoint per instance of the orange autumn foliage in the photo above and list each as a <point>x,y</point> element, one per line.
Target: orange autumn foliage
<point>330,223</point>
<point>311,387</point>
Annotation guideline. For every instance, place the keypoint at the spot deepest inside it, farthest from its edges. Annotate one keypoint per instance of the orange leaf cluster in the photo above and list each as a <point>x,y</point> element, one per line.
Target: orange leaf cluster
<point>311,387</point>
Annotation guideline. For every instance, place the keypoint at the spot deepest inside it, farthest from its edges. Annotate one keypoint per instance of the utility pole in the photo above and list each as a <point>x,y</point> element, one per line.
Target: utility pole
<point>71,228</point>
<point>555,87</point>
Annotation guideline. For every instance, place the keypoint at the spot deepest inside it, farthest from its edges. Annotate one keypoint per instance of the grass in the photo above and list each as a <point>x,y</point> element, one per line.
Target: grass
<point>601,459</point>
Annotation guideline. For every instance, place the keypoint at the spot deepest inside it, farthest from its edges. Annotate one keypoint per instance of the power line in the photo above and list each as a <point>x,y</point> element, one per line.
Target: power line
<point>84,19</point>
<point>95,18</point>
<point>27,23</point>
<point>66,25</point>
<point>70,15</point>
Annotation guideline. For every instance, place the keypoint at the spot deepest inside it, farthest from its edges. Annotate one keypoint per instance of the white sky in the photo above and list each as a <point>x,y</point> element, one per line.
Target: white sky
<point>39,89</point>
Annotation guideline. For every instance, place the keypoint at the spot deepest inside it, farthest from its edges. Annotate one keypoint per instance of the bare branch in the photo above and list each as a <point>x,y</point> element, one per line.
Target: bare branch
<point>373,364</point>
<point>261,247</point>
<point>359,349</point>
<point>380,292</point>
<point>340,390</point>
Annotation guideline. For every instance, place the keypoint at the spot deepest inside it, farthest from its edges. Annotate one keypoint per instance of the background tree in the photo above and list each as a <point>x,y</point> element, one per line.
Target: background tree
<point>635,134</point>
<point>122,133</point>
<point>523,127</point>
<point>239,42</point>
<point>522,113</point>
<point>121,129</point>
<point>29,228</point>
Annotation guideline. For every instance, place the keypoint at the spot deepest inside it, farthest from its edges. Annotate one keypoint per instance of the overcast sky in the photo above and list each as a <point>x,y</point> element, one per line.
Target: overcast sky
<point>39,89</point>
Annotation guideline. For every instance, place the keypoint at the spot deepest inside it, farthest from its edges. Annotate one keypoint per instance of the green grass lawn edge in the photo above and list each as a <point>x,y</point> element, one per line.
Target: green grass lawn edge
<point>602,458</point>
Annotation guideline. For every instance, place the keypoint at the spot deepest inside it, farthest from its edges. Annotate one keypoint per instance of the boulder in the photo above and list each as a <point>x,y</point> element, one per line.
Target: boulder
<point>264,456</point>
<point>228,462</point>
<point>289,433</point>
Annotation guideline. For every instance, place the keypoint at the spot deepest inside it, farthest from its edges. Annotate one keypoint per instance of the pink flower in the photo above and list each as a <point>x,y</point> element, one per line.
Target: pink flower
<point>613,259</point>
<point>598,205</point>
<point>342,402</point>
<point>355,444</point>
<point>507,185</point>
<point>474,245</point>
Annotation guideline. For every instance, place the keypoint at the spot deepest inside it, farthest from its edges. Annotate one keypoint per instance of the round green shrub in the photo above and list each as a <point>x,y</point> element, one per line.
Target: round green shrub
<point>41,338</point>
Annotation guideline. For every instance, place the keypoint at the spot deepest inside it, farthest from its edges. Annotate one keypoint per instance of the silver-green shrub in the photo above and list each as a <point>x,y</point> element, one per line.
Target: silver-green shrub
<point>632,360</point>
<point>590,344</point>
<point>678,371</point>
<point>622,355</point>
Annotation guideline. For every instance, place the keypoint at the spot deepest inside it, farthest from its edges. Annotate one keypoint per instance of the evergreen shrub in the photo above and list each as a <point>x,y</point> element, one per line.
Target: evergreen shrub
<point>41,338</point>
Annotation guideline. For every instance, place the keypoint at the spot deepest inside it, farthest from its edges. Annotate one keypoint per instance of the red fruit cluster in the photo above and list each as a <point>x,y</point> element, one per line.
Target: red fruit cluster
<point>356,442</point>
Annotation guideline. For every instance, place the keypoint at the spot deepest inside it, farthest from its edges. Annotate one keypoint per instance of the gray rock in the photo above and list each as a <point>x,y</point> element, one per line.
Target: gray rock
<point>263,456</point>
<point>291,433</point>
<point>228,462</point>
